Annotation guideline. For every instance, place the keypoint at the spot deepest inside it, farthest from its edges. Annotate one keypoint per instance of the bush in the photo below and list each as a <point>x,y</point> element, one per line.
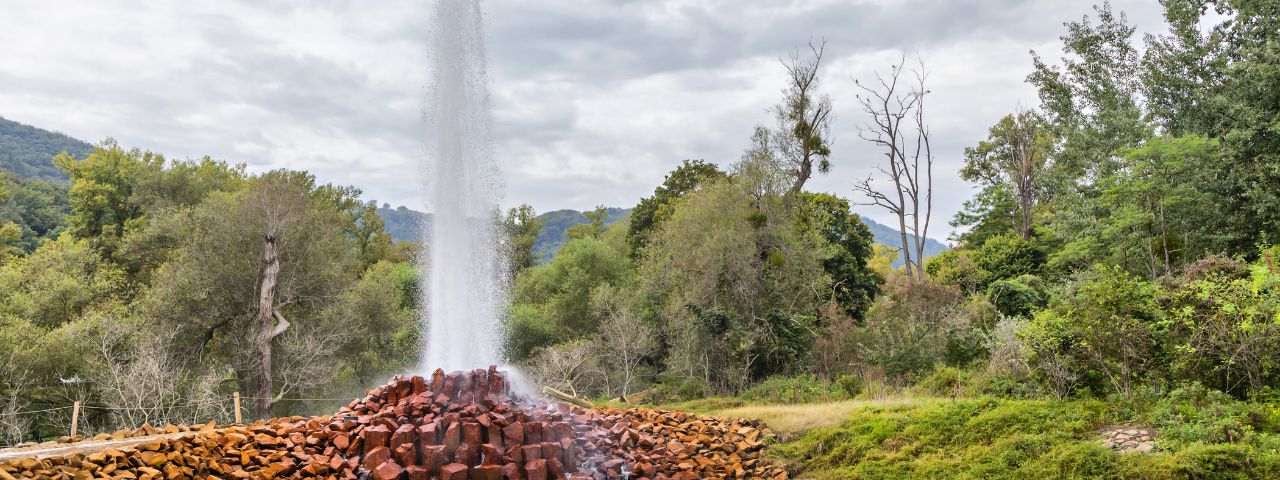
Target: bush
<point>1102,332</point>
<point>851,384</point>
<point>942,382</point>
<point>1018,297</point>
<point>913,326</point>
<point>1224,330</point>
<point>797,389</point>
<point>1194,414</point>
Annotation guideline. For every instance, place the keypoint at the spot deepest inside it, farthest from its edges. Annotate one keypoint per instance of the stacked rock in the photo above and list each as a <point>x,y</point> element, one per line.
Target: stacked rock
<point>457,426</point>
<point>646,443</point>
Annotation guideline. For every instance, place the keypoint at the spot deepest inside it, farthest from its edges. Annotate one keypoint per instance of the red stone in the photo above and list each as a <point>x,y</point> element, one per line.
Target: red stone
<point>531,452</point>
<point>555,469</point>
<point>570,458</point>
<point>471,433</point>
<point>490,455</point>
<point>515,453</point>
<point>511,471</point>
<point>433,457</point>
<point>375,457</point>
<point>418,473</point>
<point>437,380</point>
<point>453,471</point>
<point>513,434</point>
<point>536,469</point>
<point>407,454</point>
<point>533,432</point>
<point>427,434</point>
<point>550,450</point>
<point>402,435</point>
<point>375,436</point>
<point>452,438</point>
<point>388,470</point>
<point>467,455</point>
<point>495,435</point>
<point>486,472</point>
<point>419,385</point>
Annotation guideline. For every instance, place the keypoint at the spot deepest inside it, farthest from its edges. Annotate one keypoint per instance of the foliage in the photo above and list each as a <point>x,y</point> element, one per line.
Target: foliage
<point>794,389</point>
<point>1225,329</point>
<point>652,211</point>
<point>1011,439</point>
<point>912,326</point>
<point>552,302</point>
<point>731,279</point>
<point>847,251</point>
<point>1106,326</point>
<point>26,150</point>
<point>1019,296</point>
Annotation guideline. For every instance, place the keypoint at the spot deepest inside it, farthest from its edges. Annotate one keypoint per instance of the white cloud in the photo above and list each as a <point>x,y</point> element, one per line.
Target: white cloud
<point>594,101</point>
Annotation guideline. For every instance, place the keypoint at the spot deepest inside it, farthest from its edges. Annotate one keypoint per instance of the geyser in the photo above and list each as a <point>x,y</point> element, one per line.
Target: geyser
<point>464,290</point>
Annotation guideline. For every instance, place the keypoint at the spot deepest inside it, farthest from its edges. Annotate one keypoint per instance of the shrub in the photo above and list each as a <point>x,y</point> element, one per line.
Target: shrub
<point>851,384</point>
<point>1193,414</point>
<point>1225,328</point>
<point>1103,331</point>
<point>797,389</point>
<point>909,329</point>
<point>943,382</point>
<point>1018,297</point>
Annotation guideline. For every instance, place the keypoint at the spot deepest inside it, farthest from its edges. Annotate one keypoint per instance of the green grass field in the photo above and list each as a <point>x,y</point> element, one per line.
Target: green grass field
<point>986,438</point>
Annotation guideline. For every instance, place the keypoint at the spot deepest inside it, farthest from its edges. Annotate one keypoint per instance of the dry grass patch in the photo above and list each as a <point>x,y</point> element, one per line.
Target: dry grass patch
<point>788,420</point>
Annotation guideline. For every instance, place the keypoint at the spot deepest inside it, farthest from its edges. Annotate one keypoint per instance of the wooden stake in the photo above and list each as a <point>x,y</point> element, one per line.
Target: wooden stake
<point>237,397</point>
<point>75,419</point>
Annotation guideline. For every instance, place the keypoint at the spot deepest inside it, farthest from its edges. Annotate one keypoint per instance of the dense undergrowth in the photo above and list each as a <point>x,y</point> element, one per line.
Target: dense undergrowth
<point>1200,435</point>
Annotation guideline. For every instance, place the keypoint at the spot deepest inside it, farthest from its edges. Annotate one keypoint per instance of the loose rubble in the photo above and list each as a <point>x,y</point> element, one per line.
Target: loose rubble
<point>1130,439</point>
<point>458,426</point>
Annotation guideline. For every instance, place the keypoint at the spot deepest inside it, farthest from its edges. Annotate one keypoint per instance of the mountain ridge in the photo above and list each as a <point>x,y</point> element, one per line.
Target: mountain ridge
<point>406,224</point>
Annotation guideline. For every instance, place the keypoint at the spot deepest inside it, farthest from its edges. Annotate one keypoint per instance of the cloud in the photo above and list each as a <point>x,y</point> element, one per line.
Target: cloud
<point>593,101</point>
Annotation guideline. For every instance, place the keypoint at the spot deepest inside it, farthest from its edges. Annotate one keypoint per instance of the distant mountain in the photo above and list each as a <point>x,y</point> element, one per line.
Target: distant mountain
<point>403,223</point>
<point>406,224</point>
<point>555,229</point>
<point>28,151</point>
<point>888,236</point>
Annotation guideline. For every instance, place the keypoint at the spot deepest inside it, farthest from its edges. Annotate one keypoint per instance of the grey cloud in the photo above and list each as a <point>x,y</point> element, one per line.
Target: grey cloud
<point>594,101</point>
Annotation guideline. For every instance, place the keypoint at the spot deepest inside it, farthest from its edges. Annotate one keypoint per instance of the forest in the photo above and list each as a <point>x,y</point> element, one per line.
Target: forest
<point>1117,266</point>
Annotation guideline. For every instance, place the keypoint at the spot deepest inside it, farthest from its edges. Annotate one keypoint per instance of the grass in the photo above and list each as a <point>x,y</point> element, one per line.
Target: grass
<point>988,438</point>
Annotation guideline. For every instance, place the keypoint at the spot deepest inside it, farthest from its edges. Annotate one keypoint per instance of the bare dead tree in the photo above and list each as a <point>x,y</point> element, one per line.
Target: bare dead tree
<point>280,203</point>
<point>624,342</point>
<point>899,129</point>
<point>307,359</point>
<point>567,366</point>
<point>804,118</point>
<point>13,384</point>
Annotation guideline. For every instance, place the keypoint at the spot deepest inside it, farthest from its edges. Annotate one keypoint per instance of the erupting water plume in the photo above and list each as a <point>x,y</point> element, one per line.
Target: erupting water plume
<point>464,290</point>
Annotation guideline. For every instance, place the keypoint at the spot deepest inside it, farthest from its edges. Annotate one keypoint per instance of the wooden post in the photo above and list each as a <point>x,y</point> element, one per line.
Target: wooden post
<point>237,397</point>
<point>75,419</point>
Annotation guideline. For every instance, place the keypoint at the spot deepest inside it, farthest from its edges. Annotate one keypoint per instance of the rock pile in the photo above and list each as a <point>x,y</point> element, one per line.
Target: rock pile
<point>458,426</point>
<point>1130,439</point>
<point>664,444</point>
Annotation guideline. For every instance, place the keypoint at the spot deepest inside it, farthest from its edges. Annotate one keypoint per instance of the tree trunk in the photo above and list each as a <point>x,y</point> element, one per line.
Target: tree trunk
<point>266,324</point>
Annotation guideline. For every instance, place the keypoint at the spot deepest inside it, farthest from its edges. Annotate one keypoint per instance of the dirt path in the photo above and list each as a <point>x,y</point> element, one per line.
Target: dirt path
<point>46,450</point>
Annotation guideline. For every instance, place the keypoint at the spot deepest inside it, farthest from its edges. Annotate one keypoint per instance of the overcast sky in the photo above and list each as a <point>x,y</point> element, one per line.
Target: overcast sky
<point>594,101</point>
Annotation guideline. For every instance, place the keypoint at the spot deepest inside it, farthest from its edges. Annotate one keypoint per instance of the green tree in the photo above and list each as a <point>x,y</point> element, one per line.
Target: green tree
<point>522,227</point>
<point>652,211</point>
<point>1014,157</point>
<point>552,302</point>
<point>736,287</point>
<point>259,264</point>
<point>846,252</point>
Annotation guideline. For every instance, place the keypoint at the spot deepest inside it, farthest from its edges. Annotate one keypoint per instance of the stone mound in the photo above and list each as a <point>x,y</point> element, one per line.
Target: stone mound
<point>457,426</point>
